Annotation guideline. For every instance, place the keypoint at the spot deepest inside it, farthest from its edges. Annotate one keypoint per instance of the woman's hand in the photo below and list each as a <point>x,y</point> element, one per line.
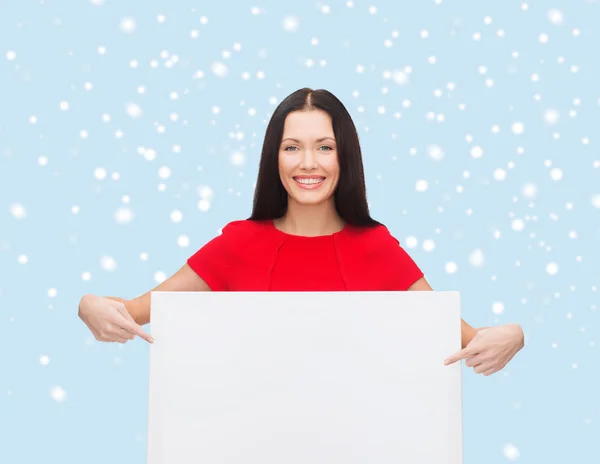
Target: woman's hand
<point>109,320</point>
<point>491,348</point>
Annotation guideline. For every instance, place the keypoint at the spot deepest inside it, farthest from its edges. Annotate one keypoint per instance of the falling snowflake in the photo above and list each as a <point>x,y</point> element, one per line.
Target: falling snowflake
<point>511,452</point>
<point>58,394</point>
<point>290,24</point>
<point>128,25</point>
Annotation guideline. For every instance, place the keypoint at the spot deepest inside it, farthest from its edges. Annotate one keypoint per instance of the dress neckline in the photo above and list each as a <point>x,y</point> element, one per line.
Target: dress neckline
<point>287,235</point>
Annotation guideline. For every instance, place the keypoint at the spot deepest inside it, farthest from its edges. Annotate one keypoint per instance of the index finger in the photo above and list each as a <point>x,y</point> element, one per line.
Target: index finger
<point>462,354</point>
<point>137,330</point>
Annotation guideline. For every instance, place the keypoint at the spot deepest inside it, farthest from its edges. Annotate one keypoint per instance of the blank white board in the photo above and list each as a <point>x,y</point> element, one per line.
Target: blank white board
<point>304,378</point>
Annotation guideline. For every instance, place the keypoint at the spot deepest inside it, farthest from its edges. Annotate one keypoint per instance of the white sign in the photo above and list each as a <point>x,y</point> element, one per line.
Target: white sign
<point>305,378</point>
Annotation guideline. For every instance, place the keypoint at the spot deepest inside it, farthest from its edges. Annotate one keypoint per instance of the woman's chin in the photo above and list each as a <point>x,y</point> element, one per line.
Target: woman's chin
<point>309,198</point>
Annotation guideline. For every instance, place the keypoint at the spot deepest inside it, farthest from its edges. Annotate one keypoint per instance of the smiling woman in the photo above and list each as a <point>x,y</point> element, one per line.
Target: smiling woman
<point>309,205</point>
<point>308,162</point>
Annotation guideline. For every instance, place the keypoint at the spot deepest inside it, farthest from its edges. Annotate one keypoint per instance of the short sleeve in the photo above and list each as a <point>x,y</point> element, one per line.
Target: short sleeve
<point>409,271</point>
<point>402,270</point>
<point>215,262</point>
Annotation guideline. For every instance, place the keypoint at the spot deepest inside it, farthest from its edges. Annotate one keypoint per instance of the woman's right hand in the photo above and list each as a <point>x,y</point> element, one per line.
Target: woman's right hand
<point>109,320</point>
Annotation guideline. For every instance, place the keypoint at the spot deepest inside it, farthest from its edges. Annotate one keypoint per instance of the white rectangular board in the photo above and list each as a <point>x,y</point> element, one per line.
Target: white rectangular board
<point>304,378</point>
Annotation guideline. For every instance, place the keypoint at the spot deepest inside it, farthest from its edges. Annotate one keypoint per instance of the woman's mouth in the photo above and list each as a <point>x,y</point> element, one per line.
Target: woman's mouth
<point>309,182</point>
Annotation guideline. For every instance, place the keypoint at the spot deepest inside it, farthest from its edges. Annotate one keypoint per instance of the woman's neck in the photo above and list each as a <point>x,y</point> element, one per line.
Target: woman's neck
<point>310,220</point>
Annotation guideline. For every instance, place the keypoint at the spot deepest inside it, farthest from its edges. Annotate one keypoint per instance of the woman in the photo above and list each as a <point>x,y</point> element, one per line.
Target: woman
<point>310,230</point>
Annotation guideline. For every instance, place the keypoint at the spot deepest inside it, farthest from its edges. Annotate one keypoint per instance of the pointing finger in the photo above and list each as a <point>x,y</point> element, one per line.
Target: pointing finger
<point>462,354</point>
<point>137,330</point>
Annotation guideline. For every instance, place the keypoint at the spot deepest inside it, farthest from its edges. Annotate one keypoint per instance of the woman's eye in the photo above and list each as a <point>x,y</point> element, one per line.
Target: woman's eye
<point>324,146</point>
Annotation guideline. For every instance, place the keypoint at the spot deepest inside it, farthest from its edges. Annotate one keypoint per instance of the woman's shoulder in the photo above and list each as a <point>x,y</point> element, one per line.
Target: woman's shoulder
<point>243,230</point>
<point>375,234</point>
<point>375,260</point>
<point>372,242</point>
<point>235,240</point>
<point>244,226</point>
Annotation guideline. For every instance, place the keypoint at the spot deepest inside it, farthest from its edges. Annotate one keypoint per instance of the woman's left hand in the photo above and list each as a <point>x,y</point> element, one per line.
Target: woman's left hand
<point>491,348</point>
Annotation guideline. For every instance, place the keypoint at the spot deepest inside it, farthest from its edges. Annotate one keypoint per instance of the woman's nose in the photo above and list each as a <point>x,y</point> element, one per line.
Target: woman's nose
<point>309,160</point>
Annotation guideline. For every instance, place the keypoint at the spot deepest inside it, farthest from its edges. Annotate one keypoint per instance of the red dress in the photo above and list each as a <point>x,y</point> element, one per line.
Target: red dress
<point>256,256</point>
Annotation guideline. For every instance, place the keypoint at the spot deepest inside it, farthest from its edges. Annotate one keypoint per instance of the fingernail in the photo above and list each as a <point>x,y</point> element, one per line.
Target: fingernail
<point>151,339</point>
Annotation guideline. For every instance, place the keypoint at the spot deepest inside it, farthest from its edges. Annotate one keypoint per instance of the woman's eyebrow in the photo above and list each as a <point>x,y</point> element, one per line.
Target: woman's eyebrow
<point>318,140</point>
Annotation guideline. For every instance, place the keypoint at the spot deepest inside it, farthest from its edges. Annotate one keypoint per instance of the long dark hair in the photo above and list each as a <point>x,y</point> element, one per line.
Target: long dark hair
<point>271,198</point>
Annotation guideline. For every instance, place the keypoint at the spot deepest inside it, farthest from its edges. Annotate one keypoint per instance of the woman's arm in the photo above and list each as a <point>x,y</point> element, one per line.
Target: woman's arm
<point>467,332</point>
<point>488,351</point>
<point>184,280</point>
<point>117,319</point>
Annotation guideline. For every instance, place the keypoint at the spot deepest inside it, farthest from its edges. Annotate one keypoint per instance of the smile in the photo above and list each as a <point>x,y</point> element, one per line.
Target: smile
<point>309,183</point>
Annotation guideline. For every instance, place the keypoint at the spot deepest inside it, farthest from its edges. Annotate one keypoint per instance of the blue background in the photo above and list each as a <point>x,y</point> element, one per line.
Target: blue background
<point>520,222</point>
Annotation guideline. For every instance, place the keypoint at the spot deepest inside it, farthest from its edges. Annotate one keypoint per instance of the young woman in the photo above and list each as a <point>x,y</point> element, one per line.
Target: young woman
<point>310,230</point>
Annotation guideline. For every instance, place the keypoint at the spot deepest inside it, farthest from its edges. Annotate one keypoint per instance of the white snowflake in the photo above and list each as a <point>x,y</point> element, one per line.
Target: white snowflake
<point>58,394</point>
<point>290,23</point>
<point>128,25</point>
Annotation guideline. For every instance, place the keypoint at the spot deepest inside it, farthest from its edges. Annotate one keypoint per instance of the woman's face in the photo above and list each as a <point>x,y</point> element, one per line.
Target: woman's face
<point>308,157</point>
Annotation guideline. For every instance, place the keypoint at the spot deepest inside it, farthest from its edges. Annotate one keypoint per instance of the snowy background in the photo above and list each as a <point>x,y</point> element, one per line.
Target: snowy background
<point>130,134</point>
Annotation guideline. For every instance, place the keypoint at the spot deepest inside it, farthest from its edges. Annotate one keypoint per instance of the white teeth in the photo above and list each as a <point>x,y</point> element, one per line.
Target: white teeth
<point>310,181</point>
